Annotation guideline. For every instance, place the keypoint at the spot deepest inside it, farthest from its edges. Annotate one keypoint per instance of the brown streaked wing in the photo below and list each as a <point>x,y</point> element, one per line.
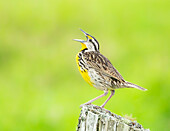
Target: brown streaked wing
<point>101,64</point>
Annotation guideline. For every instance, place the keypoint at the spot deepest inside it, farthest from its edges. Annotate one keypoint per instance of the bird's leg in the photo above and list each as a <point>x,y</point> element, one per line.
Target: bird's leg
<point>89,102</point>
<point>112,93</point>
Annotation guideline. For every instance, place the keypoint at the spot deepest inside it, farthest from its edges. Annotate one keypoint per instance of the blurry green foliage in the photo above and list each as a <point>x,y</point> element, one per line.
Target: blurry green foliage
<point>40,86</point>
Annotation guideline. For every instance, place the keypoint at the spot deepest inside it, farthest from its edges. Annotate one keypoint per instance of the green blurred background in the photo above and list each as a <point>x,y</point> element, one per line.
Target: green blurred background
<point>40,86</point>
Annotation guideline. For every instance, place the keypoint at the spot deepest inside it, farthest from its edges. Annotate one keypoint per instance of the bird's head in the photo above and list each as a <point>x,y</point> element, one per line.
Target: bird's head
<point>91,44</point>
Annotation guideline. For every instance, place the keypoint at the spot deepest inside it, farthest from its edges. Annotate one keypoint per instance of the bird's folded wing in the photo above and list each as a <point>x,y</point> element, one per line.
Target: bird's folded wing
<point>101,64</point>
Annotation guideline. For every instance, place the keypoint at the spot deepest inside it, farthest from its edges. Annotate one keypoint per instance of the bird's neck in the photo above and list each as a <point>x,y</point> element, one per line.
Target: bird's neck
<point>84,50</point>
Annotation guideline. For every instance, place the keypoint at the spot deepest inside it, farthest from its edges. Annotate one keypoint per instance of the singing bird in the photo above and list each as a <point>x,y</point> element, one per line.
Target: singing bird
<point>98,71</point>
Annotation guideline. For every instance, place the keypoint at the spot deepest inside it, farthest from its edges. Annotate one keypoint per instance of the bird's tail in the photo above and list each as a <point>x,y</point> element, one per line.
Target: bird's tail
<point>131,85</point>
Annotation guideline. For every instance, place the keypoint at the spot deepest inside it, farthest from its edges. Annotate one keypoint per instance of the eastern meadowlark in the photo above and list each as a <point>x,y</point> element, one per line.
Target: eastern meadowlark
<point>98,71</point>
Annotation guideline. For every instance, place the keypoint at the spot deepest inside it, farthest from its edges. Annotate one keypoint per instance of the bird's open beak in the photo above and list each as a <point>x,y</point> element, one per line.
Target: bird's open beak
<point>82,41</point>
<point>84,32</point>
<point>87,35</point>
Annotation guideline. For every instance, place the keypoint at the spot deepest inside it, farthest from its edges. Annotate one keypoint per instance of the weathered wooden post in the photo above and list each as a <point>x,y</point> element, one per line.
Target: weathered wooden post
<point>94,118</point>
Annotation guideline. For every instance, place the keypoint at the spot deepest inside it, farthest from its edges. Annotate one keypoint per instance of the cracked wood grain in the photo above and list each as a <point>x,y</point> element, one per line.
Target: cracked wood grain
<point>94,118</point>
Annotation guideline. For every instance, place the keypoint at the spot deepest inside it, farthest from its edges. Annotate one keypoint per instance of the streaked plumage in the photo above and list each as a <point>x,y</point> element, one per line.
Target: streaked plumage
<point>97,70</point>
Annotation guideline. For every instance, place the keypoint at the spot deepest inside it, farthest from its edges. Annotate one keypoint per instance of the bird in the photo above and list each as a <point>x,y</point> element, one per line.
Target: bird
<point>98,71</point>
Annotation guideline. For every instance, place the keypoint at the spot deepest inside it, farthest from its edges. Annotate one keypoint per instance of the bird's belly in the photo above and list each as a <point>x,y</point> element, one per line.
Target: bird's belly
<point>99,81</point>
<point>93,79</point>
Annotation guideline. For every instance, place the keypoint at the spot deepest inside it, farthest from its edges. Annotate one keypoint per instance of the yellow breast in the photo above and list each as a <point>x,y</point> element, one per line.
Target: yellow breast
<point>84,73</point>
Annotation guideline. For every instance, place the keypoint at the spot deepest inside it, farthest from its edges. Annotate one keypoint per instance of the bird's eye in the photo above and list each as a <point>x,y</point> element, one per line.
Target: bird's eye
<point>90,40</point>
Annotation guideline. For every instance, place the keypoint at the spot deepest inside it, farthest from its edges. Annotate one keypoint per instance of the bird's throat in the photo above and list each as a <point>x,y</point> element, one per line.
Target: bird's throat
<point>83,46</point>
